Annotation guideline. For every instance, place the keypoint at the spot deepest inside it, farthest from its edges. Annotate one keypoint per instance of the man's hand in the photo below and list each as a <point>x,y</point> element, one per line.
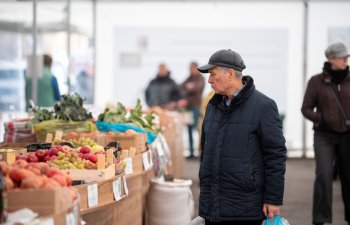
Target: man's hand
<point>271,210</point>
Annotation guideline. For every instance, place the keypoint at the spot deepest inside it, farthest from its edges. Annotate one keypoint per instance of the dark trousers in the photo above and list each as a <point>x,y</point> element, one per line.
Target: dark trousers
<point>329,147</point>
<point>254,222</point>
<point>195,111</point>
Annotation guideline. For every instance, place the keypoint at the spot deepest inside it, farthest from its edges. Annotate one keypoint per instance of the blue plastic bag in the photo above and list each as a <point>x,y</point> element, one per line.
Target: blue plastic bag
<point>119,127</point>
<point>276,221</point>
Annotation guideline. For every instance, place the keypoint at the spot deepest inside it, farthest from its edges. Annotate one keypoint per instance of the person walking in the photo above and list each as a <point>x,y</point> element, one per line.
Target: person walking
<point>243,148</point>
<point>192,89</point>
<point>329,93</point>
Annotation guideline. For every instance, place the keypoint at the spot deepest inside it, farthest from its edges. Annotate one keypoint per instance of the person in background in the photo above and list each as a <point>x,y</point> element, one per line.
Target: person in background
<point>243,157</point>
<point>162,91</point>
<point>329,93</point>
<point>192,90</point>
<point>48,92</point>
<point>85,84</point>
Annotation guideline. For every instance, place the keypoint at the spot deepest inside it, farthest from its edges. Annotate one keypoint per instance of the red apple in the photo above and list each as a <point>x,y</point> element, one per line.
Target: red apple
<point>40,153</point>
<point>93,158</point>
<point>46,158</point>
<point>51,172</point>
<point>53,151</point>
<point>85,149</point>
<point>53,157</point>
<point>32,157</point>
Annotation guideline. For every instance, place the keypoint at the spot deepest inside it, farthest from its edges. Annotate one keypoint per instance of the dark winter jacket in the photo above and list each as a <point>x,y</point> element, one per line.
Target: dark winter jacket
<point>243,159</point>
<point>161,91</point>
<point>328,116</point>
<point>194,95</point>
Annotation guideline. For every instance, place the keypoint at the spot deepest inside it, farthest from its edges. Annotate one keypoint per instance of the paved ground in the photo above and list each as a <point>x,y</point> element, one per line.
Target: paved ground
<point>298,192</point>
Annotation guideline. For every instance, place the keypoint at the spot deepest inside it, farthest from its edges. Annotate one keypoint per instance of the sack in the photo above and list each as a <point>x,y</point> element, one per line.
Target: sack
<point>51,126</point>
<point>277,220</point>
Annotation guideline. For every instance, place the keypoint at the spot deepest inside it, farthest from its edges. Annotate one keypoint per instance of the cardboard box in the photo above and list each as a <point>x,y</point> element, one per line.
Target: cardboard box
<point>45,202</point>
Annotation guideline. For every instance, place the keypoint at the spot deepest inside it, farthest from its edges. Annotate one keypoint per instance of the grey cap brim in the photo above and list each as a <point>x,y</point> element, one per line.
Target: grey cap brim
<point>205,68</point>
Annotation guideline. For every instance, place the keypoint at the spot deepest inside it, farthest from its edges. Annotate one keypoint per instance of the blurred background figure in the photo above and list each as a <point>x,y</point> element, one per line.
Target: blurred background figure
<point>192,90</point>
<point>48,90</point>
<point>329,93</point>
<point>85,84</point>
<point>162,91</point>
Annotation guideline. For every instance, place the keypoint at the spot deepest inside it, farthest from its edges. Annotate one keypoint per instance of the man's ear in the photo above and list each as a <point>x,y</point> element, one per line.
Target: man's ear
<point>232,74</point>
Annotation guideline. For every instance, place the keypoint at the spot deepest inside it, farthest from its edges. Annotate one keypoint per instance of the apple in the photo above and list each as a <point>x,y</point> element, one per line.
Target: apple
<point>60,178</point>
<point>85,149</point>
<point>40,153</point>
<point>53,151</point>
<point>46,158</point>
<point>53,157</point>
<point>51,172</point>
<point>32,157</point>
<point>93,158</point>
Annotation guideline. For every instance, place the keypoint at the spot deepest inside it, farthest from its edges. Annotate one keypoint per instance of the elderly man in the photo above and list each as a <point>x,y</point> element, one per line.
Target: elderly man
<point>243,149</point>
<point>329,93</point>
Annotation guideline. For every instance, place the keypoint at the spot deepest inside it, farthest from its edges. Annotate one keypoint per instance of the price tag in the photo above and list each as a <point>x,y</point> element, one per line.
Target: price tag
<point>117,189</point>
<point>159,148</point>
<point>128,168</point>
<point>48,221</point>
<point>70,219</point>
<point>92,195</point>
<point>146,163</point>
<point>125,187</point>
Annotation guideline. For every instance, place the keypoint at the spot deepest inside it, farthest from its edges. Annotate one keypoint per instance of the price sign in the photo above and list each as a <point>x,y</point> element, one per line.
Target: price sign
<point>146,163</point>
<point>128,168</point>
<point>117,189</point>
<point>92,195</point>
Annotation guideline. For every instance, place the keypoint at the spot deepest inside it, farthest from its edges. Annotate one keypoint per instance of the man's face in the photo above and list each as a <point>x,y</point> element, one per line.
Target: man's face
<point>162,71</point>
<point>219,80</point>
<point>339,63</point>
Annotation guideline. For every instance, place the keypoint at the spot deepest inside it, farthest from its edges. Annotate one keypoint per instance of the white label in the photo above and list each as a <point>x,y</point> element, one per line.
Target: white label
<point>117,189</point>
<point>92,195</point>
<point>70,219</point>
<point>146,164</point>
<point>159,148</point>
<point>125,187</point>
<point>128,168</point>
<point>150,158</point>
<point>48,221</point>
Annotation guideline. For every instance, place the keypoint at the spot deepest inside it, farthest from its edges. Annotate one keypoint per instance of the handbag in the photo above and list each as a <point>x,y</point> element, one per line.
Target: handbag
<point>347,121</point>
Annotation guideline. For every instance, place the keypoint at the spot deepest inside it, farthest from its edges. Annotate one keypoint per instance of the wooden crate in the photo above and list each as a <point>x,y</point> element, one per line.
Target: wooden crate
<point>92,175</point>
<point>45,202</point>
<point>105,192</point>
<point>138,163</point>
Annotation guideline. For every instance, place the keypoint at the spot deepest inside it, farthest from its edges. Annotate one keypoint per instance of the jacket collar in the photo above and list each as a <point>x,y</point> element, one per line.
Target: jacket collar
<point>247,90</point>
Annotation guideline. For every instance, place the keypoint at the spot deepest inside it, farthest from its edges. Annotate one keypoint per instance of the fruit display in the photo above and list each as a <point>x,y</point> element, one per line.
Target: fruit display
<point>24,175</point>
